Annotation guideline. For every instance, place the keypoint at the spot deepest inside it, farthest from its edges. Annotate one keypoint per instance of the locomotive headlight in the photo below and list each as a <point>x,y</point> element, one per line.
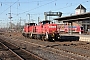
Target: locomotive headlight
<point>53,39</point>
<point>58,37</point>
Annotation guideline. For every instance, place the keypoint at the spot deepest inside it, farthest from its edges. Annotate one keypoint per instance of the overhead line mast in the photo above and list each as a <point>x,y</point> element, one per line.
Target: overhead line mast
<point>10,17</point>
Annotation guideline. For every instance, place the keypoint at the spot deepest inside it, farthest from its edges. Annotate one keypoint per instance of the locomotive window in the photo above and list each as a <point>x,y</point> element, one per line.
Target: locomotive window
<point>81,28</point>
<point>42,26</point>
<point>46,22</point>
<point>31,24</point>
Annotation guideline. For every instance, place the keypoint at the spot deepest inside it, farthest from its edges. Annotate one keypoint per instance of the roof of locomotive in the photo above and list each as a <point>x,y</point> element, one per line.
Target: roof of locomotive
<point>30,24</point>
<point>45,21</point>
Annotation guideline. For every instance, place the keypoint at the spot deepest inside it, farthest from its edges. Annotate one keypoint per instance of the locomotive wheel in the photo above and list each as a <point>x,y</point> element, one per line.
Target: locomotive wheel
<point>43,38</point>
<point>27,35</point>
<point>35,36</point>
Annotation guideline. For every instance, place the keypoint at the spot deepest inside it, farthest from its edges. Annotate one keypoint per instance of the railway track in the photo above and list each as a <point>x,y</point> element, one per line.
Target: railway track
<point>79,48</point>
<point>6,53</point>
<point>12,52</point>
<point>57,51</point>
<point>65,52</point>
<point>62,52</point>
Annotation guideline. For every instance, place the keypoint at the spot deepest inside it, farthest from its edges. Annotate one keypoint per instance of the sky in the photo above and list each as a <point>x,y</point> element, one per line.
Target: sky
<point>20,9</point>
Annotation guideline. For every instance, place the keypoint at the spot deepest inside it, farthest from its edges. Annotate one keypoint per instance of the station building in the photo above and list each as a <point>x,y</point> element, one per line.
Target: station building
<point>85,23</point>
<point>80,18</point>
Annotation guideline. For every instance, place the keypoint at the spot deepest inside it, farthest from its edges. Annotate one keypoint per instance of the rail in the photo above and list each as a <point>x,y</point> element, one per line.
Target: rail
<point>17,52</point>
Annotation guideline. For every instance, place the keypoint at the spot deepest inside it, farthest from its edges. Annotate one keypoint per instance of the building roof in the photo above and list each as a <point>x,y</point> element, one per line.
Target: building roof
<point>79,17</point>
<point>80,7</point>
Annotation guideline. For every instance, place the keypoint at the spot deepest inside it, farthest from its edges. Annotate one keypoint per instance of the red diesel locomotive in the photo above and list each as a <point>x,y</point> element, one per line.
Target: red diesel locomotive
<point>45,30</point>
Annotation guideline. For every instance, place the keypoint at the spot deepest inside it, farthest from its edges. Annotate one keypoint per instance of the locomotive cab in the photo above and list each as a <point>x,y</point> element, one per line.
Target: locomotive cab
<point>32,24</point>
<point>27,29</point>
<point>50,30</point>
<point>45,22</point>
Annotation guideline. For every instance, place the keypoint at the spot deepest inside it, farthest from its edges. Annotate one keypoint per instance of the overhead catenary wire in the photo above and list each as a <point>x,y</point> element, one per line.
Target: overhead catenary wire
<point>55,5</point>
<point>28,2</point>
<point>25,2</point>
<point>9,7</point>
<point>38,7</point>
<point>71,4</point>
